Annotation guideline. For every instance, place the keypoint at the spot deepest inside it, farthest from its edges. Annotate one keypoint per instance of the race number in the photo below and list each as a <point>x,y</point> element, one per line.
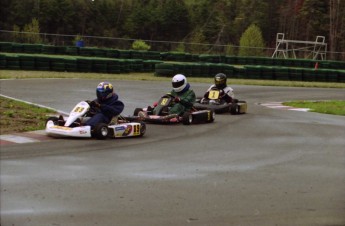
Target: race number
<point>136,130</point>
<point>213,94</point>
<point>164,101</point>
<point>78,109</point>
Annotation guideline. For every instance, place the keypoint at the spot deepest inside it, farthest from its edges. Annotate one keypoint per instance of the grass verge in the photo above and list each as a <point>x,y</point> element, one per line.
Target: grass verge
<point>334,107</point>
<point>20,117</point>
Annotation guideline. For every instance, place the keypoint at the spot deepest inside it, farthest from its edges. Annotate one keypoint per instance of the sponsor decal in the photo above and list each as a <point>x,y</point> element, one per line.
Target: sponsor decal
<point>120,128</point>
<point>61,127</point>
<point>127,131</point>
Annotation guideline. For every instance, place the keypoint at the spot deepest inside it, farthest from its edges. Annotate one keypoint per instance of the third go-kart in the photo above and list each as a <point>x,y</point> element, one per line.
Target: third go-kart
<point>72,126</point>
<point>159,113</point>
<point>218,105</point>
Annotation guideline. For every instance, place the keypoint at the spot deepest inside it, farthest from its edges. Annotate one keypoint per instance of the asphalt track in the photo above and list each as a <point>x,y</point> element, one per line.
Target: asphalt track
<point>267,167</point>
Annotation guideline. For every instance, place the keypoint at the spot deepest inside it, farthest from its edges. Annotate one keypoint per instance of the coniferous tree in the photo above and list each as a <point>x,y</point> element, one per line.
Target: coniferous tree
<point>251,42</point>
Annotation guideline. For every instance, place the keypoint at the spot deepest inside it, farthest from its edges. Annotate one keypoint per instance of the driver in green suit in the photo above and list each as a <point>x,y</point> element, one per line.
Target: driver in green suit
<point>184,95</point>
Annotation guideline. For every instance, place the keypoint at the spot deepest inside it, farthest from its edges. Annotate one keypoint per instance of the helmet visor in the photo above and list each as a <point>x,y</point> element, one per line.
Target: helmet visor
<point>177,84</point>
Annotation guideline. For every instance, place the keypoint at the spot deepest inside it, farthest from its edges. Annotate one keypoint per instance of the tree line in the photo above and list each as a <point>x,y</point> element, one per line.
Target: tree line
<point>207,25</point>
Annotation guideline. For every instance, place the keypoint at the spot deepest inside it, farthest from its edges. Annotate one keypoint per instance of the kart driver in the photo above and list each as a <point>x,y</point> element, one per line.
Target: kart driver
<point>184,95</point>
<point>226,93</point>
<point>183,101</point>
<point>107,105</point>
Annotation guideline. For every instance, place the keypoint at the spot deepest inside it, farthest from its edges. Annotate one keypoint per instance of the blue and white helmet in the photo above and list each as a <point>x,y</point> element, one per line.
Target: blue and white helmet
<point>179,82</point>
<point>104,91</point>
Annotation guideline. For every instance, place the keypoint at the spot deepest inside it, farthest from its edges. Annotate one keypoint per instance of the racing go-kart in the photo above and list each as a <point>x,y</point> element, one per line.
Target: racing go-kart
<point>159,113</point>
<point>72,126</point>
<point>218,105</point>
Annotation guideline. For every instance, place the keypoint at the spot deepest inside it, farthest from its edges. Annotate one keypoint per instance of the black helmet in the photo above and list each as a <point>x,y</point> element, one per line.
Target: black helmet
<point>220,80</point>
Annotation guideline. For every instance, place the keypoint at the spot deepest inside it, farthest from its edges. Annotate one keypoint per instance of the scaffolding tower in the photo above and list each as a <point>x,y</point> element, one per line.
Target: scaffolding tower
<point>305,49</point>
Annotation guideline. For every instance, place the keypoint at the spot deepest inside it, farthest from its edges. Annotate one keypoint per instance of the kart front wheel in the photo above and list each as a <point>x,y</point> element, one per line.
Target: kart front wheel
<point>54,119</point>
<point>234,109</point>
<point>100,131</point>
<point>187,118</point>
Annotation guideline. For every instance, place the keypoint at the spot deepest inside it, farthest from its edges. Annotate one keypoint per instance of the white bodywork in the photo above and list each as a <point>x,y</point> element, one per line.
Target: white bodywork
<point>125,129</point>
<point>65,131</point>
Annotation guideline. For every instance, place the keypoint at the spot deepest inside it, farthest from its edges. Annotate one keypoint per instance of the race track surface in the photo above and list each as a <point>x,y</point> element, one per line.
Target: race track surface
<point>267,167</point>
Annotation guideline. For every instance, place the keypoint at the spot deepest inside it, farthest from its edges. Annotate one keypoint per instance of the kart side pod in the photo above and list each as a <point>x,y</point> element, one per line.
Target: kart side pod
<point>196,117</point>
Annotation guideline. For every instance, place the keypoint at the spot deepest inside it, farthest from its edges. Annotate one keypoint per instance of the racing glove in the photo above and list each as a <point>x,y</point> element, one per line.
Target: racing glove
<point>95,104</point>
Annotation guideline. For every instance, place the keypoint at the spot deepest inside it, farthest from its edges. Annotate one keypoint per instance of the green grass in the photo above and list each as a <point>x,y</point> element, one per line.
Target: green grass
<point>20,117</point>
<point>334,107</point>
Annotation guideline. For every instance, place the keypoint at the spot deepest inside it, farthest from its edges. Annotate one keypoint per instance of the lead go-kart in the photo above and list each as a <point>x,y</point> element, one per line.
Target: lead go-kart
<point>159,113</point>
<point>72,126</point>
<point>218,105</point>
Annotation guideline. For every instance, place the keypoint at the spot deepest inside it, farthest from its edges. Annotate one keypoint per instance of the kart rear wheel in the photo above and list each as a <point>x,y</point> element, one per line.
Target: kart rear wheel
<point>142,129</point>
<point>187,118</point>
<point>100,131</point>
<point>136,111</point>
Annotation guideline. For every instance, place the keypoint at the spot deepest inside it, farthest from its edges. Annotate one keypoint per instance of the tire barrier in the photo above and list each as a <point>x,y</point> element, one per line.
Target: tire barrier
<point>250,72</point>
<point>75,64</point>
<point>105,60</point>
<point>9,47</point>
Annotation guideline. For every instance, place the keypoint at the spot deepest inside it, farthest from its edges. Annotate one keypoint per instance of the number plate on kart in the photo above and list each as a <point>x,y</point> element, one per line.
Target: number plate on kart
<point>164,101</point>
<point>213,94</point>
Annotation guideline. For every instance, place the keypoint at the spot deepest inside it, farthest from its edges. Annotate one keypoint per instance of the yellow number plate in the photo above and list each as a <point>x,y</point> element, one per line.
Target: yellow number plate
<point>213,94</point>
<point>78,109</point>
<point>164,101</point>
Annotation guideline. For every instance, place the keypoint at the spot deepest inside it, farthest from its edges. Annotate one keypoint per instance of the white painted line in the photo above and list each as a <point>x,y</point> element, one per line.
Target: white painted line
<point>279,105</point>
<point>18,139</point>
<point>300,109</point>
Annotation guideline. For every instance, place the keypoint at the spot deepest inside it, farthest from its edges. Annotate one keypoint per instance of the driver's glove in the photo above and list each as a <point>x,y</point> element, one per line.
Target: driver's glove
<point>95,104</point>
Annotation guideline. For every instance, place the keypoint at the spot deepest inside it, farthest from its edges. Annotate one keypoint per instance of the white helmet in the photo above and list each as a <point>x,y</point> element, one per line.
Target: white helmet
<point>179,82</point>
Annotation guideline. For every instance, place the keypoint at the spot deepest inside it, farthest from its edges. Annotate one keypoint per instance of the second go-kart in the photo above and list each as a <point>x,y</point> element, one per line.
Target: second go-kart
<point>72,126</point>
<point>159,113</point>
<point>218,105</point>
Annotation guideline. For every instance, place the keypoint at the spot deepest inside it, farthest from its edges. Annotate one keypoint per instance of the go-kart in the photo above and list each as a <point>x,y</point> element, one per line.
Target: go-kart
<point>218,105</point>
<point>159,113</point>
<point>72,126</point>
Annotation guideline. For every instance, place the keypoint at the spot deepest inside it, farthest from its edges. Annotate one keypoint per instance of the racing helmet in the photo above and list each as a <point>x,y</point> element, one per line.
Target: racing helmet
<point>179,82</point>
<point>104,91</point>
<point>220,80</point>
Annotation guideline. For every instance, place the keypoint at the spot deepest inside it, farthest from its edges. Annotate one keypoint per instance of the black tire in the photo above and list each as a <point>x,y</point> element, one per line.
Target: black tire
<point>187,118</point>
<point>54,119</point>
<point>142,129</point>
<point>100,131</point>
<point>136,111</point>
<point>234,109</point>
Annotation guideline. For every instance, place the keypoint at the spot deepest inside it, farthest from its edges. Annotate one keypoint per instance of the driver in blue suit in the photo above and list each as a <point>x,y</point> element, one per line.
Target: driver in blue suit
<point>107,105</point>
